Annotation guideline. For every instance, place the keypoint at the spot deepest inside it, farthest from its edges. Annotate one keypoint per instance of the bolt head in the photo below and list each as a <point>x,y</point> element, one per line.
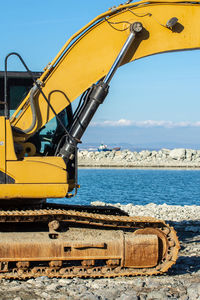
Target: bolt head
<point>136,27</point>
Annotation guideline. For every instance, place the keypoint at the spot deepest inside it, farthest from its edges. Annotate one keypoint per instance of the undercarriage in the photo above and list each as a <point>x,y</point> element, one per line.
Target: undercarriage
<point>70,241</point>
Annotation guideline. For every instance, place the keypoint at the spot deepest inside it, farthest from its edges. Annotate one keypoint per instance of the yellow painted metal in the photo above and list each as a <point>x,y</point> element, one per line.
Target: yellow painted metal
<point>36,177</point>
<point>33,177</point>
<point>93,53</point>
<point>38,170</point>
<point>10,151</point>
<point>2,145</point>
<point>35,191</point>
<point>103,15</point>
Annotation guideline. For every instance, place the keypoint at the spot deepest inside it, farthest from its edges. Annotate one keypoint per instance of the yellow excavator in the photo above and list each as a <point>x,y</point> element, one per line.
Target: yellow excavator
<point>39,162</point>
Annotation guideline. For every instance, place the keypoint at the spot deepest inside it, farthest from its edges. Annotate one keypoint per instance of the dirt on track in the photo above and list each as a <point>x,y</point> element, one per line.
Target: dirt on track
<point>182,281</point>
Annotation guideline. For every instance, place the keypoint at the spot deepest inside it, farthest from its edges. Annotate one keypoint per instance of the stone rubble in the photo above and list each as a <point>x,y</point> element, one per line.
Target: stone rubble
<point>180,157</point>
<point>182,281</point>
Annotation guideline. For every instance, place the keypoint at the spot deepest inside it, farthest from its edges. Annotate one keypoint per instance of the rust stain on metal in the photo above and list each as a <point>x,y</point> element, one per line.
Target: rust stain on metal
<point>66,243</point>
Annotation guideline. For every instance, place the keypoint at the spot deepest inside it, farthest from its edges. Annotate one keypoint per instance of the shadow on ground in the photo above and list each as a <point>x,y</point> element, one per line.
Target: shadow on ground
<point>185,265</point>
<point>188,232</point>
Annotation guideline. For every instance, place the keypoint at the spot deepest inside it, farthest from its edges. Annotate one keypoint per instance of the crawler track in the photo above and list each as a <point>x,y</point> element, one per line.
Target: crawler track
<point>147,225</point>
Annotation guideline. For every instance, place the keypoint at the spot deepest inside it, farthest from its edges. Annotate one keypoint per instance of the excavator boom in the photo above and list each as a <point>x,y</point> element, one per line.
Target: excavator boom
<point>89,54</point>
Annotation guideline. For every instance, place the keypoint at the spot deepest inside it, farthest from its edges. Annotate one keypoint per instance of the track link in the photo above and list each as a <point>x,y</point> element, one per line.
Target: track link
<point>95,220</point>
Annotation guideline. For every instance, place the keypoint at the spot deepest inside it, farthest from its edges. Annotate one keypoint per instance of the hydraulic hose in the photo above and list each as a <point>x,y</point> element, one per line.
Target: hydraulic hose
<point>32,104</point>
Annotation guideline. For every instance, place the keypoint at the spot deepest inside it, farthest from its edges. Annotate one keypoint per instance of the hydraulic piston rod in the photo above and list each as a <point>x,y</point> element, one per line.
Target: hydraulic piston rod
<point>96,97</point>
<point>134,28</point>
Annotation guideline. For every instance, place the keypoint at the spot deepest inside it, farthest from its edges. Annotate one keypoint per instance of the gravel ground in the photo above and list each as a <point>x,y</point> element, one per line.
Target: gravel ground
<point>181,282</point>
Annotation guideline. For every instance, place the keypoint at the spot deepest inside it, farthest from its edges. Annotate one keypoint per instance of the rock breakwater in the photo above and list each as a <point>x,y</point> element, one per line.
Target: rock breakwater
<point>180,157</point>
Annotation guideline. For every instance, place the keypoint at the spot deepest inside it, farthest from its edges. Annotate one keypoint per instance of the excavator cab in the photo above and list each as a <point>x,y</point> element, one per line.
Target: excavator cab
<point>18,86</point>
<point>30,170</point>
<point>46,140</point>
<point>51,135</point>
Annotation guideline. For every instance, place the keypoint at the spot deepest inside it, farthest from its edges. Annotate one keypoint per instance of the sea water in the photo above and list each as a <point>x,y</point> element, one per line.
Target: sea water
<point>137,186</point>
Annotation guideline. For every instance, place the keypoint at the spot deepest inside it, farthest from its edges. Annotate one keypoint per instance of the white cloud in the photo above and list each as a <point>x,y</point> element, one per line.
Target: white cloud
<point>145,123</point>
<point>121,122</point>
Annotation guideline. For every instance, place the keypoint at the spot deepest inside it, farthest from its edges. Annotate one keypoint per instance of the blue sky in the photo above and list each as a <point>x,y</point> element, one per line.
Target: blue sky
<point>154,100</point>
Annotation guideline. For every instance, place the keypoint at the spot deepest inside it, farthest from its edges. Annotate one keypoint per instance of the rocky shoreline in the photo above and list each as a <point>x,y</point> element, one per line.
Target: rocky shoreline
<point>182,281</point>
<point>164,158</point>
